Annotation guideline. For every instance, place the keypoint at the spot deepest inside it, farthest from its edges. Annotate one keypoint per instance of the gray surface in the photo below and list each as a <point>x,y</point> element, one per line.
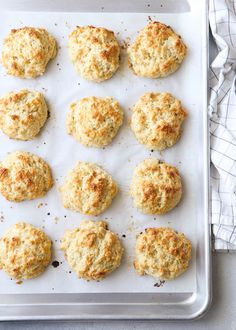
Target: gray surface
<point>221,316</point>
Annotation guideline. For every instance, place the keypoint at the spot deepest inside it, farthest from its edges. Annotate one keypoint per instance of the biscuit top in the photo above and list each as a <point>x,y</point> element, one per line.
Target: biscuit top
<point>94,121</point>
<point>26,51</point>
<point>94,51</point>
<point>22,114</point>
<point>156,120</point>
<point>24,175</point>
<point>25,251</point>
<point>157,51</point>
<point>162,253</point>
<point>88,189</point>
<point>156,186</point>
<point>92,250</point>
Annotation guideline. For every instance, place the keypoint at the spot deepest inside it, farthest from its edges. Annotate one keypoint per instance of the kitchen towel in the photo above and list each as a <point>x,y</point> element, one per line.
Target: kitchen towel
<point>222,111</point>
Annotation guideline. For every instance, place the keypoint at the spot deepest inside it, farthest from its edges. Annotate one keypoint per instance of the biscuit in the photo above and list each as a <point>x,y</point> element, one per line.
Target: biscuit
<point>94,121</point>
<point>27,51</point>
<point>92,251</point>
<point>157,51</point>
<point>95,52</point>
<point>156,120</point>
<point>22,114</point>
<point>156,187</point>
<point>88,189</point>
<point>24,176</point>
<point>25,251</point>
<point>162,253</point>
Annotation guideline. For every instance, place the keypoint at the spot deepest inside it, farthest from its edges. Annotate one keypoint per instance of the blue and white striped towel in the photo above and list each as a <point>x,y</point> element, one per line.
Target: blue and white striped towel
<point>222,109</point>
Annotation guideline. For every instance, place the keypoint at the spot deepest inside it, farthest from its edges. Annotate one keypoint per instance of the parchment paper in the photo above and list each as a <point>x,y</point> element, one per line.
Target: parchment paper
<point>61,86</point>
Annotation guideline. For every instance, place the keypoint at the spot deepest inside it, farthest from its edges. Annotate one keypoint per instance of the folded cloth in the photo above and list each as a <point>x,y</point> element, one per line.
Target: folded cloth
<point>222,111</point>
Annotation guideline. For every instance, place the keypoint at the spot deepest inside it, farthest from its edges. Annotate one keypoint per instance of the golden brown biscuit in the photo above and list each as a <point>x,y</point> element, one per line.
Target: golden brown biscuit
<point>162,253</point>
<point>156,187</point>
<point>25,251</point>
<point>157,51</point>
<point>88,189</point>
<point>27,51</point>
<point>92,250</point>
<point>22,114</point>
<point>94,121</point>
<point>95,52</point>
<point>157,119</point>
<point>24,176</point>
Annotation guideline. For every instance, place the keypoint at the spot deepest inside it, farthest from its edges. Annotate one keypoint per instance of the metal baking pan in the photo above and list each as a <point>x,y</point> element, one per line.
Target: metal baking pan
<point>160,305</point>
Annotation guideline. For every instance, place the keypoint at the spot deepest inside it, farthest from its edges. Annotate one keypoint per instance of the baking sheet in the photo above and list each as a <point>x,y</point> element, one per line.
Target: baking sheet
<point>61,86</point>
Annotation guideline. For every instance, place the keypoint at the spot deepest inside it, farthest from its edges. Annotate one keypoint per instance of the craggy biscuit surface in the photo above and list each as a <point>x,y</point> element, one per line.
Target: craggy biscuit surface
<point>156,187</point>
<point>22,114</point>
<point>88,189</point>
<point>94,121</point>
<point>157,119</point>
<point>95,52</point>
<point>27,51</point>
<point>24,176</point>
<point>25,251</point>
<point>157,51</point>
<point>92,250</point>
<point>162,253</point>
